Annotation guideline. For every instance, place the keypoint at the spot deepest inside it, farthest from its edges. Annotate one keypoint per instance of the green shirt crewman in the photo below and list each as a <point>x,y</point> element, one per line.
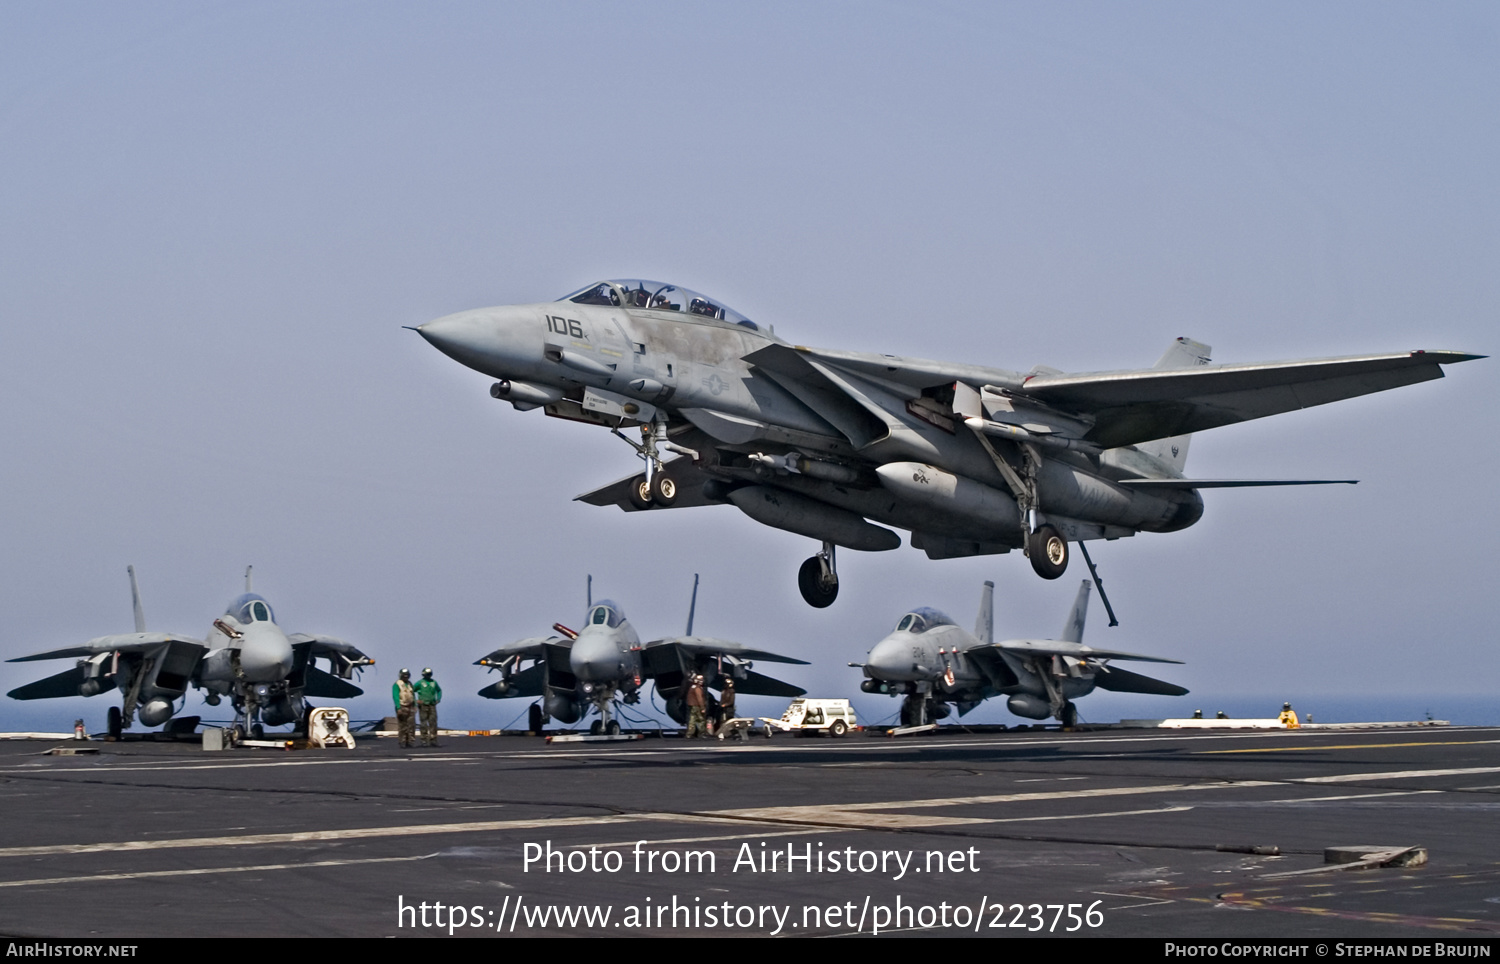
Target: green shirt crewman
<point>429,695</point>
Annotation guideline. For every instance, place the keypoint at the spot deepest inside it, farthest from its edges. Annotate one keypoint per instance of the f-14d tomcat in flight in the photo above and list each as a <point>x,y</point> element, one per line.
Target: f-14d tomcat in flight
<point>248,658</point>
<point>837,445</point>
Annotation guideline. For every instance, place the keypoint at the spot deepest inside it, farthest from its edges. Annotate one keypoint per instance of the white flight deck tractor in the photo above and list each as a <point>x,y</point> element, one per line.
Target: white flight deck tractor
<point>835,717</point>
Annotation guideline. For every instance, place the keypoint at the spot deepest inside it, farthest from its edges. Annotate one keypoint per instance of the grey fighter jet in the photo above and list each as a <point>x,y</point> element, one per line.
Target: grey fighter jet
<point>606,660</point>
<point>838,445</point>
<point>265,673</point>
<point>934,663</point>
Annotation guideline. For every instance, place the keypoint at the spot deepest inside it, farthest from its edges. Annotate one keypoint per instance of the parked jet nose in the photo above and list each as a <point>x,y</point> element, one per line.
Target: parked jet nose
<point>265,653</point>
<point>595,659</point>
<point>892,659</point>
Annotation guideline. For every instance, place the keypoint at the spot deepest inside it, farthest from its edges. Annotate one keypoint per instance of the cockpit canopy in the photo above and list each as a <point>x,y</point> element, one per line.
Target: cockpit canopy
<point>251,608</point>
<point>606,613</point>
<point>923,619</point>
<point>638,293</point>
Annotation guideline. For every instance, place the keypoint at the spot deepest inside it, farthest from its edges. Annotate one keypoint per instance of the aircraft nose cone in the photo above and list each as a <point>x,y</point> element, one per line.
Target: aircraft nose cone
<point>452,335</point>
<point>890,660</point>
<point>265,654</point>
<point>595,660</point>
<point>502,342</point>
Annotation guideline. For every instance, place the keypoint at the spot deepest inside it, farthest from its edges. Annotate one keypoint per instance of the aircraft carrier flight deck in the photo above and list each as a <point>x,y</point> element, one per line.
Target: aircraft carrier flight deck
<point>1109,833</point>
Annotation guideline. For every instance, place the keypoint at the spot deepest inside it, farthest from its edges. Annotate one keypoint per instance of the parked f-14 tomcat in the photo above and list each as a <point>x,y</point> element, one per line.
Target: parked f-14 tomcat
<point>249,658</point>
<point>606,661</point>
<point>837,445</point>
<point>932,662</point>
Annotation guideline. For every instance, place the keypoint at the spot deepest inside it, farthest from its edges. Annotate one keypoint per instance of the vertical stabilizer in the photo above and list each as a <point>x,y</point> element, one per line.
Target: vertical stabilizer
<point>984,626</point>
<point>135,601</point>
<point>1182,353</point>
<point>692,606</point>
<point>588,603</point>
<point>1073,628</point>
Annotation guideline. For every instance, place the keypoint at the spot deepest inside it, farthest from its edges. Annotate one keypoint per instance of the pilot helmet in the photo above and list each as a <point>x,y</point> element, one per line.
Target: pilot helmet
<point>1286,706</point>
<point>406,674</point>
<point>427,673</point>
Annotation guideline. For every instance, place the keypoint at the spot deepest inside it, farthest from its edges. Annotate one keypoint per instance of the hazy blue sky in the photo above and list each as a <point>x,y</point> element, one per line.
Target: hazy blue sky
<point>217,217</point>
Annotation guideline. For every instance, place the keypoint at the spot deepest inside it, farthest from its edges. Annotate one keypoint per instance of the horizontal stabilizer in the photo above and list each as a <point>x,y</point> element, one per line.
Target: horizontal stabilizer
<point>531,681</point>
<point>65,683</point>
<point>324,684</point>
<point>1226,483</point>
<point>1124,681</point>
<point>759,684</point>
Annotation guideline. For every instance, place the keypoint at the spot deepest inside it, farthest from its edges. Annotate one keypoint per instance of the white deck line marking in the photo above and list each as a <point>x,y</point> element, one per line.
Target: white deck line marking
<point>729,836</point>
<point>792,813</point>
<point>1395,775</point>
<point>88,878</point>
<point>313,836</point>
<point>819,812</point>
<point>754,747</point>
<point>1347,796</point>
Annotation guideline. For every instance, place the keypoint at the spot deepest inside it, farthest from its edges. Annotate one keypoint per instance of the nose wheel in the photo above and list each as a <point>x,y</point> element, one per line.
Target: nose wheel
<point>818,579</point>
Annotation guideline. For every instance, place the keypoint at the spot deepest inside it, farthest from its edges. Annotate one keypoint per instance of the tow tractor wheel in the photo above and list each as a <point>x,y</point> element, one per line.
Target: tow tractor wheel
<point>663,490</point>
<point>816,590</point>
<point>114,722</point>
<point>1049,552</point>
<point>639,492</point>
<point>534,719</point>
<point>839,728</point>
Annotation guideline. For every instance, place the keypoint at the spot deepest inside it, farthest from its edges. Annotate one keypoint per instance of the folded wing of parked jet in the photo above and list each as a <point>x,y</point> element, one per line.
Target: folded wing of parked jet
<point>666,660</point>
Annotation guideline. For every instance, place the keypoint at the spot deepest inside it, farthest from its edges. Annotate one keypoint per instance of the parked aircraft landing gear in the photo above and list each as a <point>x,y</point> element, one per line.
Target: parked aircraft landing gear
<point>114,722</point>
<point>1048,551</point>
<point>914,710</point>
<point>534,719</point>
<point>818,579</point>
<point>1068,715</point>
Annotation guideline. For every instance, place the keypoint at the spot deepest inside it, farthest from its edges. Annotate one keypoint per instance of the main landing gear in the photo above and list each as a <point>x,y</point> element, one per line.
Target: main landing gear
<point>1048,552</point>
<point>819,579</point>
